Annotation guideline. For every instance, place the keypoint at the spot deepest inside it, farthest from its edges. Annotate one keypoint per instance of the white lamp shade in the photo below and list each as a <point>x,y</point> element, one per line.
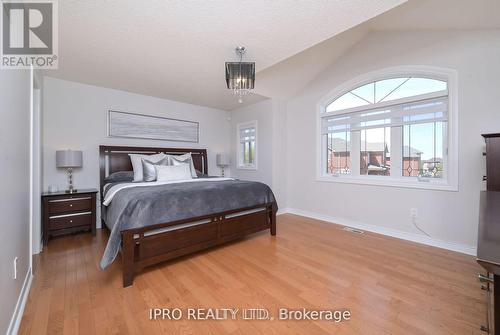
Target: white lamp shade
<point>69,159</point>
<point>222,160</point>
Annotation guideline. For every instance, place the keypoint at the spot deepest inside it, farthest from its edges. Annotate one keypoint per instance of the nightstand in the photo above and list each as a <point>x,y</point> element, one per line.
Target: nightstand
<point>65,213</point>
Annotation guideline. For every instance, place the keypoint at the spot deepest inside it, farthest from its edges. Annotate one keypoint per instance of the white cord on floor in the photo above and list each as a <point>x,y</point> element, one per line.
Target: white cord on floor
<point>420,229</point>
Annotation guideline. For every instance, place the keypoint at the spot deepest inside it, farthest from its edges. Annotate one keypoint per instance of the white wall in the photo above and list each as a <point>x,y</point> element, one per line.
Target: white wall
<point>74,117</point>
<point>270,116</point>
<point>446,216</point>
<point>262,113</point>
<point>279,153</point>
<point>15,86</point>
<point>36,150</point>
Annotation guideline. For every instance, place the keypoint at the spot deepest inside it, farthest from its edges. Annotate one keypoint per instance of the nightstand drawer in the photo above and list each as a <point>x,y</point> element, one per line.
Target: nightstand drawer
<point>65,205</point>
<point>69,221</point>
<point>65,213</point>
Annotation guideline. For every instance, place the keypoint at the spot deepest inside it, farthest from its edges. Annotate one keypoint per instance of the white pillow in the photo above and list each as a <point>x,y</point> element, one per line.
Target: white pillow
<point>173,172</point>
<point>184,159</point>
<point>136,160</point>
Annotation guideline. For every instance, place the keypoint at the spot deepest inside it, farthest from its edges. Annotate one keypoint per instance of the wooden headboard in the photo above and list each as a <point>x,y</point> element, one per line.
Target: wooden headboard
<point>115,158</point>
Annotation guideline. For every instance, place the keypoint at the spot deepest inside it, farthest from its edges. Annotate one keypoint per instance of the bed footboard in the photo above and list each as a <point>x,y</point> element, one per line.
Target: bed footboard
<point>154,244</point>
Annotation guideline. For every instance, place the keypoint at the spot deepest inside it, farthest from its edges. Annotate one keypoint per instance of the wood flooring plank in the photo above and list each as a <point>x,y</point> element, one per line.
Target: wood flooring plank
<point>390,286</point>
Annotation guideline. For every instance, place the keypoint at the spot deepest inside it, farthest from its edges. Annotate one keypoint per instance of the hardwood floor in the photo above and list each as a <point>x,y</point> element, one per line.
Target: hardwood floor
<point>390,286</point>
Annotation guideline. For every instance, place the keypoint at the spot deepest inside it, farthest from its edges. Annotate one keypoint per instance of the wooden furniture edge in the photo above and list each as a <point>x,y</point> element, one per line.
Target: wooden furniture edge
<point>130,252</point>
<point>45,218</point>
<point>109,151</point>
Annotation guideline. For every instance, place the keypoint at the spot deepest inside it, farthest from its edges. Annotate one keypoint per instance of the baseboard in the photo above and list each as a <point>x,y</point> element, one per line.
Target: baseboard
<point>282,211</point>
<point>38,250</point>
<point>15,322</point>
<point>422,239</point>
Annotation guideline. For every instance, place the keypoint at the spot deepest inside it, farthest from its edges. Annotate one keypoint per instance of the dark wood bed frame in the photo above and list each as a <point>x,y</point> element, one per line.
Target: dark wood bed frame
<point>142,247</point>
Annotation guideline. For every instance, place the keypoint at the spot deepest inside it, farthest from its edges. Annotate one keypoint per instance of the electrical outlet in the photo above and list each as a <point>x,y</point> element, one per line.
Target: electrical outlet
<point>15,267</point>
<point>413,212</point>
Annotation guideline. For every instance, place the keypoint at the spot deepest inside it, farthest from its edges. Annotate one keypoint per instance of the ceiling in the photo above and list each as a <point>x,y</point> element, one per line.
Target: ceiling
<point>284,79</point>
<point>440,15</point>
<point>176,49</point>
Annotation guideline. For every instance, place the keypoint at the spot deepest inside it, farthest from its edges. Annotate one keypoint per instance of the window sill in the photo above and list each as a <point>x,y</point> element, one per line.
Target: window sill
<point>429,185</point>
<point>243,167</point>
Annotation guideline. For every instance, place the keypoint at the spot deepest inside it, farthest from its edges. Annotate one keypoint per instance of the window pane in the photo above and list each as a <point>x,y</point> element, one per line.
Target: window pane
<point>248,152</point>
<point>386,90</point>
<point>375,154</point>
<point>245,151</point>
<point>348,100</point>
<point>423,150</point>
<point>339,153</point>
<point>252,152</point>
<point>415,86</point>
<point>365,92</point>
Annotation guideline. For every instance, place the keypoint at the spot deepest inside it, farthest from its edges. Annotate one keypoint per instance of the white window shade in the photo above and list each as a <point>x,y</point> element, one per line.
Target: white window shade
<point>247,134</point>
<point>422,111</point>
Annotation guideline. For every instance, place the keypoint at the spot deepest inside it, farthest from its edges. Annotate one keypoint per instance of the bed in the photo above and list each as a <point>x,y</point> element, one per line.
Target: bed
<point>146,229</point>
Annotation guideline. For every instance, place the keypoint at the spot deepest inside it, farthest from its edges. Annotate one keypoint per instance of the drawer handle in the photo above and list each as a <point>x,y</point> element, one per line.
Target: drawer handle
<point>70,221</point>
<point>71,205</point>
<point>70,199</point>
<point>484,279</point>
<point>69,215</point>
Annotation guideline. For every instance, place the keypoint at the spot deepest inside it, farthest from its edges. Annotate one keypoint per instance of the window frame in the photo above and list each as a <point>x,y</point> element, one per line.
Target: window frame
<point>239,151</point>
<point>449,182</point>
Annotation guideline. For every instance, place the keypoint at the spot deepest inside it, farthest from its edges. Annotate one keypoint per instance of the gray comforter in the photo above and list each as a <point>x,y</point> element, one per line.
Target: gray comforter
<point>142,206</point>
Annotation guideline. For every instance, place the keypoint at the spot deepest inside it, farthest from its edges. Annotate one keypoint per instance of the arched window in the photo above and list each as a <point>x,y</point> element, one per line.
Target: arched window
<point>386,90</point>
<point>392,129</point>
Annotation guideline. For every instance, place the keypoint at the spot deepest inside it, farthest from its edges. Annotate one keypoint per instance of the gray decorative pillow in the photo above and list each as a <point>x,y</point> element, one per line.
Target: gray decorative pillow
<point>120,176</point>
<point>135,159</point>
<point>149,170</point>
<point>184,159</point>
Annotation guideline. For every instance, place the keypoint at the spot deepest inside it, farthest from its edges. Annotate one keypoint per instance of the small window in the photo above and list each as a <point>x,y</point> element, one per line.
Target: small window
<point>392,131</point>
<point>247,145</point>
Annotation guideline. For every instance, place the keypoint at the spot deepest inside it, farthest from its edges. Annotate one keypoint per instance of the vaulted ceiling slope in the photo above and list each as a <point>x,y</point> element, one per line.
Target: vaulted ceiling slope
<point>176,49</point>
<point>284,79</point>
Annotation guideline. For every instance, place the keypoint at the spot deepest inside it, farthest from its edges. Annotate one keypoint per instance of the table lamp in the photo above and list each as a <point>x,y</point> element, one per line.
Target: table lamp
<point>222,161</point>
<point>69,159</point>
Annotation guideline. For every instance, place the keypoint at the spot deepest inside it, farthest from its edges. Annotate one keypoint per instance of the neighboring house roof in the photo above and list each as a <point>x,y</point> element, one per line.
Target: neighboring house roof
<point>340,145</point>
<point>411,152</point>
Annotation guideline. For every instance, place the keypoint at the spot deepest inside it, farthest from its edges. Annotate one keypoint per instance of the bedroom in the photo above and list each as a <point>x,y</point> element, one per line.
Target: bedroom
<point>341,181</point>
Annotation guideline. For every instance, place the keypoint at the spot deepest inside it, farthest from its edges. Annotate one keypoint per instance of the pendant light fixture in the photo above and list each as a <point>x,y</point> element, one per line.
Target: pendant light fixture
<point>240,76</point>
